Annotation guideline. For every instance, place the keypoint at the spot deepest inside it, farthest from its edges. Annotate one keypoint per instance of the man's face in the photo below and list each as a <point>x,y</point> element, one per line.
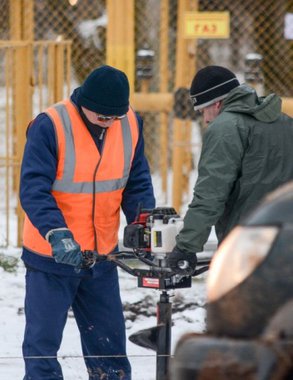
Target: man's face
<point>211,112</point>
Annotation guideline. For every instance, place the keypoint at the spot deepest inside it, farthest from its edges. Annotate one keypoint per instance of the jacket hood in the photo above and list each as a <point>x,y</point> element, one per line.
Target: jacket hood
<point>243,99</point>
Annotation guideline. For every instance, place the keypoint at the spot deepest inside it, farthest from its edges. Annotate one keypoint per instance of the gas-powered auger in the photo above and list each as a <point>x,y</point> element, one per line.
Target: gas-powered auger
<point>151,236</point>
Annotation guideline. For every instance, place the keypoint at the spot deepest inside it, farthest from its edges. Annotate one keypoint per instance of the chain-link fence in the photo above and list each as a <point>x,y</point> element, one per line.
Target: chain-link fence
<point>256,26</point>
<point>28,86</point>
<point>84,24</point>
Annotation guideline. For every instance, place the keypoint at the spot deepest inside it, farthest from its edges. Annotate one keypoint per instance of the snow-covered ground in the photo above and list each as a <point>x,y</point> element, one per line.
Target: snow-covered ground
<point>143,361</point>
<point>185,319</point>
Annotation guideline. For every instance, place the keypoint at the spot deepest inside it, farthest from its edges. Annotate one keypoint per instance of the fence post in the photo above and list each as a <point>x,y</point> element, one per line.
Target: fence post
<point>59,70</point>
<point>181,136</point>
<point>120,37</point>
<point>19,77</point>
<point>21,19</point>
<point>164,77</point>
<point>22,111</point>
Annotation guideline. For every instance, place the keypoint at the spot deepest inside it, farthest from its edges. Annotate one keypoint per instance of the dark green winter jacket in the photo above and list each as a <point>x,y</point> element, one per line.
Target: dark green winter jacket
<point>247,151</point>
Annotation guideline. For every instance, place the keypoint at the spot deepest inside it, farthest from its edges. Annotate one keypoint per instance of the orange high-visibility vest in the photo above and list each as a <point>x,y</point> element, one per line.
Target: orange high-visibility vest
<point>88,186</point>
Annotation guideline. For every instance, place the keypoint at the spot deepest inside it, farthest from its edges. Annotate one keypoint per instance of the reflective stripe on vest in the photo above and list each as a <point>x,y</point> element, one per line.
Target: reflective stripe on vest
<point>66,184</point>
<point>73,188</point>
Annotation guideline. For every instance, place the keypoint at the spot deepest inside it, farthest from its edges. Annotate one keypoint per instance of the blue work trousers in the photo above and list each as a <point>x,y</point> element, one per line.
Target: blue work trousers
<point>97,308</point>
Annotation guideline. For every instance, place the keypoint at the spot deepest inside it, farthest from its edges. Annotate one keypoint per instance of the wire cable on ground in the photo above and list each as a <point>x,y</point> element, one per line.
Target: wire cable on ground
<point>82,356</point>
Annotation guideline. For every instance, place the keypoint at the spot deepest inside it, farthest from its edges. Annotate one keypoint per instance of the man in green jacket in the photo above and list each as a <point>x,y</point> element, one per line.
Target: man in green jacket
<point>246,153</point>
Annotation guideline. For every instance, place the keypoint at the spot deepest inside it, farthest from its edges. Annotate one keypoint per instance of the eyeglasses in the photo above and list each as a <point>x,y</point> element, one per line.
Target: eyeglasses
<point>108,118</point>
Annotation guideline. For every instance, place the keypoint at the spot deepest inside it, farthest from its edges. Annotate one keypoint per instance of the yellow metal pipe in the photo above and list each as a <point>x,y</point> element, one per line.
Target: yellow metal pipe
<point>15,19</point>
<point>59,72</point>
<point>164,80</point>
<point>21,19</point>
<point>184,61</point>
<point>68,69</point>
<point>8,85</point>
<point>152,101</point>
<point>22,109</point>
<point>287,106</point>
<point>40,50</point>
<point>19,82</point>
<point>177,164</point>
<point>51,74</point>
<point>28,20</point>
<point>120,37</point>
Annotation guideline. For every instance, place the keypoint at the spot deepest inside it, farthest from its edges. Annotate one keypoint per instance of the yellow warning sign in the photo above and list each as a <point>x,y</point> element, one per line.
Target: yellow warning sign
<point>207,25</point>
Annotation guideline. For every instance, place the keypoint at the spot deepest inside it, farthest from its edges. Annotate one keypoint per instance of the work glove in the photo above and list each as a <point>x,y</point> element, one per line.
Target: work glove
<point>181,262</point>
<point>64,248</point>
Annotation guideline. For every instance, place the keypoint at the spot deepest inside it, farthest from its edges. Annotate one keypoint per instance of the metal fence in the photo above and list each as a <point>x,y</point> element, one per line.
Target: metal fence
<point>262,27</point>
<point>257,26</point>
<point>28,85</point>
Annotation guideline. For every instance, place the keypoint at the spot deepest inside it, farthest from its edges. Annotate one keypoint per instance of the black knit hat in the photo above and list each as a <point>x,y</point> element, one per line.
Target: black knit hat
<point>105,91</point>
<point>211,84</point>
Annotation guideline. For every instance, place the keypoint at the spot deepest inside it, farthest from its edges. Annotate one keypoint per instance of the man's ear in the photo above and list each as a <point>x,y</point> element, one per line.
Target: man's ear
<point>219,104</point>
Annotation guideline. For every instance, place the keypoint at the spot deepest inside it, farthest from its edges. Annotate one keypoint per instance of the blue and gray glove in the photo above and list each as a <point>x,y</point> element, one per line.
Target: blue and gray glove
<point>64,248</point>
<point>181,262</point>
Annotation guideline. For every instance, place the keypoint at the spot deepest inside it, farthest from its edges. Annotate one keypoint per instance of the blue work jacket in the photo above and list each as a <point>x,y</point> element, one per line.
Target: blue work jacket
<point>38,173</point>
